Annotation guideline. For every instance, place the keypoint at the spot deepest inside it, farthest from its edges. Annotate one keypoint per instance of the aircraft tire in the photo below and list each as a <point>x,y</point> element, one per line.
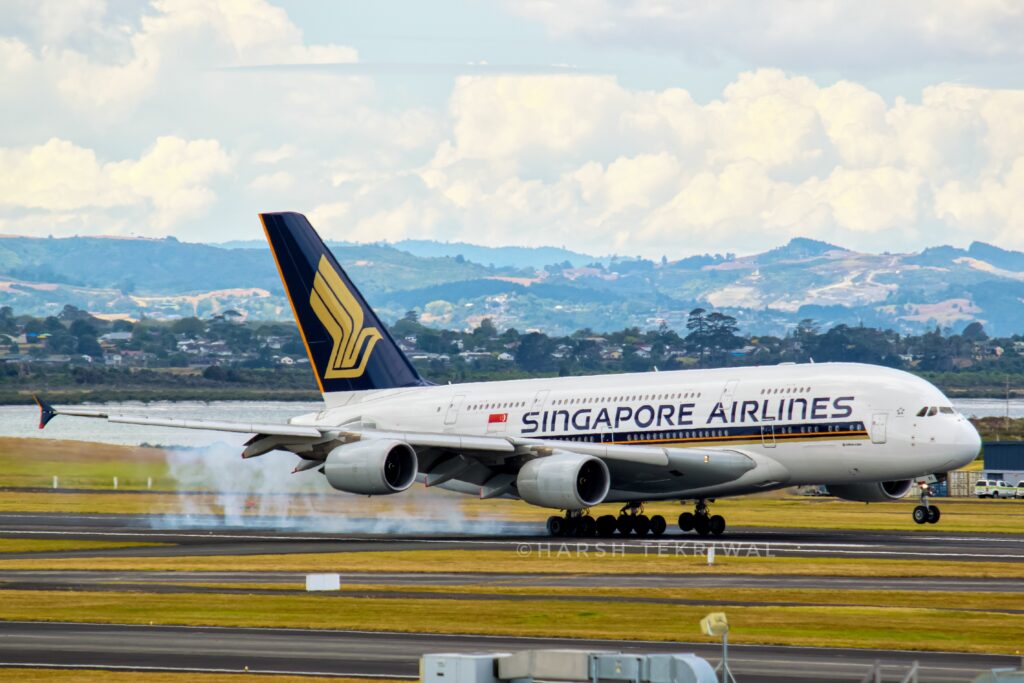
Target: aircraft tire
<point>641,525</point>
<point>716,525</point>
<point>606,526</point>
<point>658,525</point>
<point>933,514</point>
<point>556,526</point>
<point>588,527</point>
<point>686,521</point>
<point>920,514</point>
<point>701,525</point>
<point>624,524</point>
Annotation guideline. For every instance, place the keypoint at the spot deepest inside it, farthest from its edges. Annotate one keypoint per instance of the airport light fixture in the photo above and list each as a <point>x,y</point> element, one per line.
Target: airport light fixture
<point>716,624</point>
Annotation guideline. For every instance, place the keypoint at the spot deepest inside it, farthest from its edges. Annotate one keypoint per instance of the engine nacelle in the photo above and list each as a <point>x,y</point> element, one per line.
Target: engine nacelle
<point>372,467</point>
<point>567,481</point>
<point>873,492</point>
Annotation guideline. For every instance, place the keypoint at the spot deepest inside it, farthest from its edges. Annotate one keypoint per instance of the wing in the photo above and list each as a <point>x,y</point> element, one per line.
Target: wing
<point>468,463</point>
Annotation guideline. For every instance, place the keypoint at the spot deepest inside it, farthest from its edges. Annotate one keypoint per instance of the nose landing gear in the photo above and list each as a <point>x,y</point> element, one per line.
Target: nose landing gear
<point>702,521</point>
<point>926,513</point>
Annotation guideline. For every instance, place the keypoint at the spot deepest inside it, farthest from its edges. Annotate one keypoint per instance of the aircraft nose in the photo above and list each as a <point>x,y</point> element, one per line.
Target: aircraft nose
<point>968,443</point>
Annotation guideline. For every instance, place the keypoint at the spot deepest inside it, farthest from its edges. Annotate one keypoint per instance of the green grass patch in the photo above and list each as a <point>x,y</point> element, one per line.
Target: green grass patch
<point>865,627</point>
<point>502,561</point>
<point>804,596</point>
<point>32,463</point>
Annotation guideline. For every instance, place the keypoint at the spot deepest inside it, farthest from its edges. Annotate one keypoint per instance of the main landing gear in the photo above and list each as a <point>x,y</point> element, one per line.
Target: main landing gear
<point>631,520</point>
<point>702,521</point>
<point>925,513</point>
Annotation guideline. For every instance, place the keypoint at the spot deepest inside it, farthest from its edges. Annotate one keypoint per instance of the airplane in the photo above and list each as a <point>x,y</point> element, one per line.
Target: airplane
<point>868,433</point>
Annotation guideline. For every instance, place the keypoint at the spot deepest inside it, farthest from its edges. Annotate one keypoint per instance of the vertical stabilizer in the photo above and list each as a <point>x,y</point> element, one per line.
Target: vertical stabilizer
<point>349,348</point>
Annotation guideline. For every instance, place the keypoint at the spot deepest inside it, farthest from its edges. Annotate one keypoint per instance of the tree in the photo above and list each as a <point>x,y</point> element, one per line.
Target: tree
<point>975,332</point>
<point>534,353</point>
<point>697,324</point>
<point>486,330</point>
<point>191,328</point>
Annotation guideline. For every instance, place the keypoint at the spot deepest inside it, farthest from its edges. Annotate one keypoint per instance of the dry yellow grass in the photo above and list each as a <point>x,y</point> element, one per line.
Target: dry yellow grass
<point>802,596</point>
<point>867,627</point>
<point>78,464</point>
<point>42,545</point>
<point>502,561</point>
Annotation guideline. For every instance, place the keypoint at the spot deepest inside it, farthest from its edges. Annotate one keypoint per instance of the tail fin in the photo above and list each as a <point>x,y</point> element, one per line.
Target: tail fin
<point>348,346</point>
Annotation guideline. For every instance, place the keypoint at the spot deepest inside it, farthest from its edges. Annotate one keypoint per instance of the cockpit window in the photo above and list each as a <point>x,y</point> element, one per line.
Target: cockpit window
<point>922,412</point>
<point>946,410</point>
<point>933,411</point>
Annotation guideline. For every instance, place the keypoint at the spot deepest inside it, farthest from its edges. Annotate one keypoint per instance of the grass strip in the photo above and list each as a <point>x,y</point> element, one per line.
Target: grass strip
<point>862,627</point>
<point>502,561</point>
<point>41,545</point>
<point>809,596</point>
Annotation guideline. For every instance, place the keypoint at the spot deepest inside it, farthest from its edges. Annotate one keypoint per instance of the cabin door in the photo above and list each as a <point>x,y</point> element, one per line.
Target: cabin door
<point>878,427</point>
<point>453,409</point>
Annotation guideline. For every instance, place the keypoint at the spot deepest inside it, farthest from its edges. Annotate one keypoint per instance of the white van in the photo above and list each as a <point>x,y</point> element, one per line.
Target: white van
<point>994,488</point>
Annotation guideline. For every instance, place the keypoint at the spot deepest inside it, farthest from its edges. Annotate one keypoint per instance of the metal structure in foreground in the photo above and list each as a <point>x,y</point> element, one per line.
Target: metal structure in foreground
<point>564,665</point>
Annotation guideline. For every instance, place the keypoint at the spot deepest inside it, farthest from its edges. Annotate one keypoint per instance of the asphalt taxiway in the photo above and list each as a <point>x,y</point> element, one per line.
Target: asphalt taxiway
<point>206,536</point>
<point>384,654</point>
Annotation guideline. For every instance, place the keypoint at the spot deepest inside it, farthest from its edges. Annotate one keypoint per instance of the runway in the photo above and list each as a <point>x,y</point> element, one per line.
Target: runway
<point>201,537</point>
<point>355,653</point>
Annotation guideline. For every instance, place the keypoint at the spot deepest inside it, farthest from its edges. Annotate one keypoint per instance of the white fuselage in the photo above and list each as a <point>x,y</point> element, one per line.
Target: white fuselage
<point>826,423</point>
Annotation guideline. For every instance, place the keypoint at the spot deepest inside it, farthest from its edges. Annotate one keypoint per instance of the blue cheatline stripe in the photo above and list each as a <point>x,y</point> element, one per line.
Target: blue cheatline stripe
<point>719,435</point>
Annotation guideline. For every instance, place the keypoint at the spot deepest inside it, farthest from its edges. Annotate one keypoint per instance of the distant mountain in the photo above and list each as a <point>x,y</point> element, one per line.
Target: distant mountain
<point>548,288</point>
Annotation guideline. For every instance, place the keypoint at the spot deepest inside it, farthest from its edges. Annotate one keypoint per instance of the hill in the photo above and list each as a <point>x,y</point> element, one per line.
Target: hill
<point>549,288</point>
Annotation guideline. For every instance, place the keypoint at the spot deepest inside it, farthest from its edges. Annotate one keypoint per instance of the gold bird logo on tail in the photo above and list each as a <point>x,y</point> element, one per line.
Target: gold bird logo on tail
<point>342,317</point>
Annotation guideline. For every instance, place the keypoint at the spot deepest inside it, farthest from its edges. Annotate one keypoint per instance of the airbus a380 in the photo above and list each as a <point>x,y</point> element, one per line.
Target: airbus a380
<point>572,443</point>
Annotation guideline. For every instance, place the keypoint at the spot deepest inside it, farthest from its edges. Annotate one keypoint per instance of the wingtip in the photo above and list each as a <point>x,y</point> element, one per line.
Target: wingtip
<point>46,411</point>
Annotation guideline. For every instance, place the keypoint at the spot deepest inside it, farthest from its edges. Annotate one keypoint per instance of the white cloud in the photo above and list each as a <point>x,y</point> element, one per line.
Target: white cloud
<point>836,34</point>
<point>272,182</point>
<point>174,42</point>
<point>776,156</point>
<point>273,155</point>
<point>123,119</point>
<point>170,181</point>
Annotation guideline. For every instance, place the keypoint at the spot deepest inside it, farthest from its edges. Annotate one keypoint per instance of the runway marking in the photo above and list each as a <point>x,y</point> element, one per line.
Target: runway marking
<point>194,669</point>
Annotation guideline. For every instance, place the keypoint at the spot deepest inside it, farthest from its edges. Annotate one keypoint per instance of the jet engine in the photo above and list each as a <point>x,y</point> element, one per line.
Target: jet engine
<point>567,481</point>
<point>873,492</point>
<point>373,467</point>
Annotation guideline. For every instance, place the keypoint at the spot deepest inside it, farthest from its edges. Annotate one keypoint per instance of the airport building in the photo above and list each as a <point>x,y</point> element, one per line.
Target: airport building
<point>1004,460</point>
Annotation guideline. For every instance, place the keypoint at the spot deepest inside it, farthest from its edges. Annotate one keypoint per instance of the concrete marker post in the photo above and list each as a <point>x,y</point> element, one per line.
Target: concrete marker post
<point>115,483</point>
<point>55,481</point>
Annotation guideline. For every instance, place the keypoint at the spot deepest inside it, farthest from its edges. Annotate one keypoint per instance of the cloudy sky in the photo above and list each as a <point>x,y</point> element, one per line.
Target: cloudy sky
<point>628,126</point>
